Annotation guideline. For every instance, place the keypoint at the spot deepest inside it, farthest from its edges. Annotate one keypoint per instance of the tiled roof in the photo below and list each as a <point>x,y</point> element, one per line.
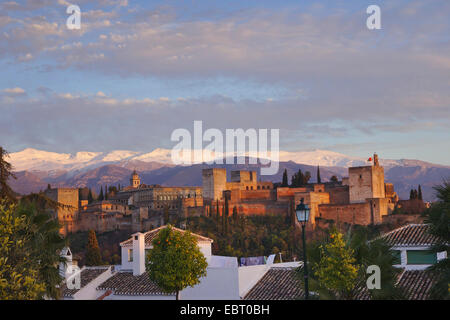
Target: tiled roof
<point>87,275</point>
<point>277,284</point>
<point>411,235</point>
<point>416,284</point>
<point>124,283</point>
<point>150,235</point>
<point>283,284</point>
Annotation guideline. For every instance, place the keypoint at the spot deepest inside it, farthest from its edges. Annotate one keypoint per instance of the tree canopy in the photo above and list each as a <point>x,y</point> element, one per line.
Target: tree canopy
<point>175,262</point>
<point>438,216</point>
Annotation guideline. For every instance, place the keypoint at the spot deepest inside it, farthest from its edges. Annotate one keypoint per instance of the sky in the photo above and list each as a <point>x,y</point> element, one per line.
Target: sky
<point>137,70</point>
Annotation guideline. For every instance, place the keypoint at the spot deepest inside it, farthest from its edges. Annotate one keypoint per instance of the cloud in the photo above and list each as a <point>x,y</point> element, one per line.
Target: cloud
<point>14,91</point>
<point>338,80</point>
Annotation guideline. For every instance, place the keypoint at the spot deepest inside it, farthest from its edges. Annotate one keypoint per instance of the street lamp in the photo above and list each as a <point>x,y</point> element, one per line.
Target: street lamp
<point>302,210</point>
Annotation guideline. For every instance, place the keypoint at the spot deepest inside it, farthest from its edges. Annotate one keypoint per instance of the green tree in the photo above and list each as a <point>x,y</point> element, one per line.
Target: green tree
<point>90,197</point>
<point>5,174</point>
<point>337,269</point>
<point>334,179</point>
<point>101,197</point>
<point>166,216</point>
<point>19,277</point>
<point>93,256</point>
<point>438,216</point>
<point>419,195</point>
<point>319,180</point>
<point>285,179</point>
<point>375,252</point>
<point>175,262</point>
<point>106,192</point>
<point>235,214</point>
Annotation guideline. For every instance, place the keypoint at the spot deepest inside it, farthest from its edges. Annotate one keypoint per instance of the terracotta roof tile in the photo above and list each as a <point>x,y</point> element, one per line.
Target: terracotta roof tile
<point>277,284</point>
<point>416,284</point>
<point>87,275</point>
<point>124,283</point>
<point>411,235</point>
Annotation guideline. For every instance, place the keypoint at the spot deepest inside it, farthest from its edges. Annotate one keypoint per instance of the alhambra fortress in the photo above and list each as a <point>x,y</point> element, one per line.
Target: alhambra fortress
<point>362,198</point>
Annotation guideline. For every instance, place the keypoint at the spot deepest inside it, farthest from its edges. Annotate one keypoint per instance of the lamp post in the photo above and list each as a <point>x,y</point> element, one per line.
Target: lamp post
<point>302,210</point>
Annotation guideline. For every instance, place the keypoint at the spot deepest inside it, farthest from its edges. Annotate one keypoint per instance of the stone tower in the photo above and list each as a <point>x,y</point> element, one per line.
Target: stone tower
<point>366,182</point>
<point>135,181</point>
<point>214,183</point>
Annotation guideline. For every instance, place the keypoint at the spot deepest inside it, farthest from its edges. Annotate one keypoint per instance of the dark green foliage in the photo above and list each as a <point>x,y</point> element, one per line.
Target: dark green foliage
<point>366,253</point>
<point>166,215</point>
<point>6,173</point>
<point>285,182</point>
<point>334,179</point>
<point>419,195</point>
<point>93,256</point>
<point>299,179</point>
<point>41,241</point>
<point>319,180</point>
<point>438,216</point>
<point>249,235</point>
<point>90,196</point>
<point>175,262</point>
<point>101,197</point>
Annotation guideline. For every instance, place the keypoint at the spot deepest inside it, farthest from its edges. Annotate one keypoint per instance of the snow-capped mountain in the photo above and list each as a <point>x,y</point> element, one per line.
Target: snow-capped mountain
<point>39,160</point>
<point>35,169</point>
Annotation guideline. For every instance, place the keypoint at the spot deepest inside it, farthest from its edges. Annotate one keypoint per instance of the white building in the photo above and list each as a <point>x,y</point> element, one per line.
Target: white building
<point>224,279</point>
<point>411,245</point>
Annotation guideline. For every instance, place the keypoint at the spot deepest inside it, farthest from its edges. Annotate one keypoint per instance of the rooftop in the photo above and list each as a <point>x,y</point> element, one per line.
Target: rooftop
<point>277,284</point>
<point>411,235</point>
<point>284,284</point>
<point>87,275</point>
<point>152,234</point>
<point>124,283</point>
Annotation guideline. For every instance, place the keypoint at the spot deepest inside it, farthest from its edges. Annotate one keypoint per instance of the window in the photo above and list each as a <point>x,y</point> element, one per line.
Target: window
<point>421,257</point>
<point>130,255</point>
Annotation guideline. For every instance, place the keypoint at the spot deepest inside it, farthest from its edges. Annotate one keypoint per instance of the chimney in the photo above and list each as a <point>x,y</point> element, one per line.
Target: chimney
<point>66,266</point>
<point>138,254</point>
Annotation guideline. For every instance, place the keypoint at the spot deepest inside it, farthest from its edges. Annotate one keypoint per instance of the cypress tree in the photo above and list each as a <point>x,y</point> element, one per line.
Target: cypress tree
<point>217,211</point>
<point>285,179</point>
<point>235,214</point>
<point>319,180</point>
<point>411,194</point>
<point>419,196</point>
<point>106,192</point>
<point>90,197</point>
<point>100,196</point>
<point>93,256</point>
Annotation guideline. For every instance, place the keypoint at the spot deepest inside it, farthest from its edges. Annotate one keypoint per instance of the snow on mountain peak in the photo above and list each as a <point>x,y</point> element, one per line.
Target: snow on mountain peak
<point>38,160</point>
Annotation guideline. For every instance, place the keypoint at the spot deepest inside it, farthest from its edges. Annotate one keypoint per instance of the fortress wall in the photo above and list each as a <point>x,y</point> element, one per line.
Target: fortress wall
<point>355,213</point>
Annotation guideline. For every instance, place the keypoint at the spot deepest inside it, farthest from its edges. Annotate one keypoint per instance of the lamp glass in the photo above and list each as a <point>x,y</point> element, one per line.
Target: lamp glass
<point>302,212</point>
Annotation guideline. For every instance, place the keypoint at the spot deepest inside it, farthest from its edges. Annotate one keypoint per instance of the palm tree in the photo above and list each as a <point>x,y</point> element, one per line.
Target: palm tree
<point>46,241</point>
<point>366,252</point>
<point>438,216</point>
